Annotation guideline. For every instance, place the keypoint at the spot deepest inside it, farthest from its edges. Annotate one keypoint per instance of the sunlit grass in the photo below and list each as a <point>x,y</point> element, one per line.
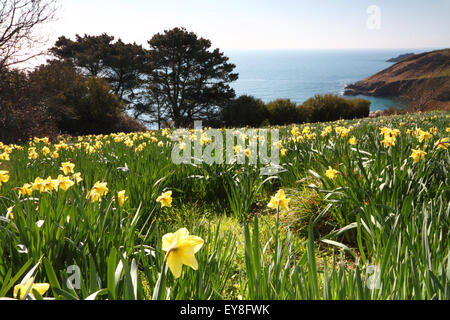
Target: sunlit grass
<point>361,198</point>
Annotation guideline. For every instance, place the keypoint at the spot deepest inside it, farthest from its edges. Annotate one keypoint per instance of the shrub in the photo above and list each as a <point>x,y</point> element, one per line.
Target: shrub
<point>21,114</point>
<point>360,108</point>
<point>244,111</point>
<point>284,111</point>
<point>330,107</point>
<point>82,104</point>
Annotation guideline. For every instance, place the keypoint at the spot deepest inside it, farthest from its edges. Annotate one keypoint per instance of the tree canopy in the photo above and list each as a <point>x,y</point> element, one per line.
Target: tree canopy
<point>187,80</point>
<point>121,64</point>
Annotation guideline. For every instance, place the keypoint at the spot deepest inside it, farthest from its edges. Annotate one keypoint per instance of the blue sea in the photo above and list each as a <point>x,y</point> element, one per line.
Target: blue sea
<point>300,74</point>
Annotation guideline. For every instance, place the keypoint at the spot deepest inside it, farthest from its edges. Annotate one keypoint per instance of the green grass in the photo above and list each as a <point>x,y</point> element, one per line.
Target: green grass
<point>383,211</point>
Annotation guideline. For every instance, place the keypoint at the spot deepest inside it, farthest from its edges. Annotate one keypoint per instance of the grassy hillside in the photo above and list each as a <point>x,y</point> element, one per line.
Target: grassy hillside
<point>421,75</point>
<point>363,214</point>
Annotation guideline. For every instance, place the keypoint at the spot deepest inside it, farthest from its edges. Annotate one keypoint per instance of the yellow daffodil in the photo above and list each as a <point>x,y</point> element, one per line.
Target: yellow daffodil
<point>331,173</point>
<point>342,131</point>
<point>442,144</point>
<point>98,191</point>
<point>67,167</point>
<point>4,156</point>
<point>181,249</point>
<point>26,189</point>
<point>418,155</point>
<point>165,199</point>
<point>385,131</point>
<point>4,176</point>
<point>64,183</point>
<point>352,141</point>
<point>50,184</point>
<point>395,132</point>
<point>389,141</point>
<point>128,143</point>
<point>38,184</point>
<point>9,213</point>
<point>121,197</point>
<point>279,200</point>
<point>42,288</point>
<point>45,151</point>
<point>32,155</point>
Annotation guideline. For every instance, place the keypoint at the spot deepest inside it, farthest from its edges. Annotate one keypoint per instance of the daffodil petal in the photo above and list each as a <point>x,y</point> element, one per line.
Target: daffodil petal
<point>175,263</point>
<point>167,240</point>
<point>182,234</point>
<point>196,243</point>
<point>189,260</point>
<point>41,287</point>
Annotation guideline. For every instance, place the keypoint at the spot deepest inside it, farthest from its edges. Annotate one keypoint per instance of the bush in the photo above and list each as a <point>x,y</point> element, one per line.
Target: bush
<point>82,104</point>
<point>244,111</point>
<point>21,114</point>
<point>330,107</point>
<point>360,108</point>
<point>249,111</point>
<point>54,99</point>
<point>284,111</point>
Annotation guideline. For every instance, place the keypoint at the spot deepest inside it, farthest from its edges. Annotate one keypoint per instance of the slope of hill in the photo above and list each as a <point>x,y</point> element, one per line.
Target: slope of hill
<point>400,57</point>
<point>422,78</point>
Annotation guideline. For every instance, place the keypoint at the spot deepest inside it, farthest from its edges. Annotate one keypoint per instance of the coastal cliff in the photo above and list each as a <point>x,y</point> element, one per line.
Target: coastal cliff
<point>400,57</point>
<point>424,76</point>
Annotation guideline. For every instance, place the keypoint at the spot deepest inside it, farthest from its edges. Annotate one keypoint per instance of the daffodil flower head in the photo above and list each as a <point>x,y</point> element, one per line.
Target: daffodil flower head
<point>67,167</point>
<point>98,190</point>
<point>417,155</point>
<point>181,248</point>
<point>4,176</point>
<point>22,288</point>
<point>442,144</point>
<point>9,213</point>
<point>279,200</point>
<point>26,189</point>
<point>121,197</point>
<point>331,173</point>
<point>165,199</point>
<point>64,183</point>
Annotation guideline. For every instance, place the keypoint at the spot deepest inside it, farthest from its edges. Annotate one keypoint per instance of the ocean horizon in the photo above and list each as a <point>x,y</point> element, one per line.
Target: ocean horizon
<point>299,74</point>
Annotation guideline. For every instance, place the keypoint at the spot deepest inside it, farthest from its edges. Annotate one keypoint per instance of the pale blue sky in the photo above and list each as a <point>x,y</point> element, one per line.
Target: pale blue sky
<point>264,24</point>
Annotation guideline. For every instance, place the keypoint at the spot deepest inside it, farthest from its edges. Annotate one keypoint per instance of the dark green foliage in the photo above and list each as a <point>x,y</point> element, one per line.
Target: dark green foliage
<point>243,111</point>
<point>249,111</point>
<point>121,64</point>
<point>284,111</point>
<point>87,53</point>
<point>82,104</point>
<point>21,113</point>
<point>55,99</point>
<point>188,81</point>
<point>329,107</point>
